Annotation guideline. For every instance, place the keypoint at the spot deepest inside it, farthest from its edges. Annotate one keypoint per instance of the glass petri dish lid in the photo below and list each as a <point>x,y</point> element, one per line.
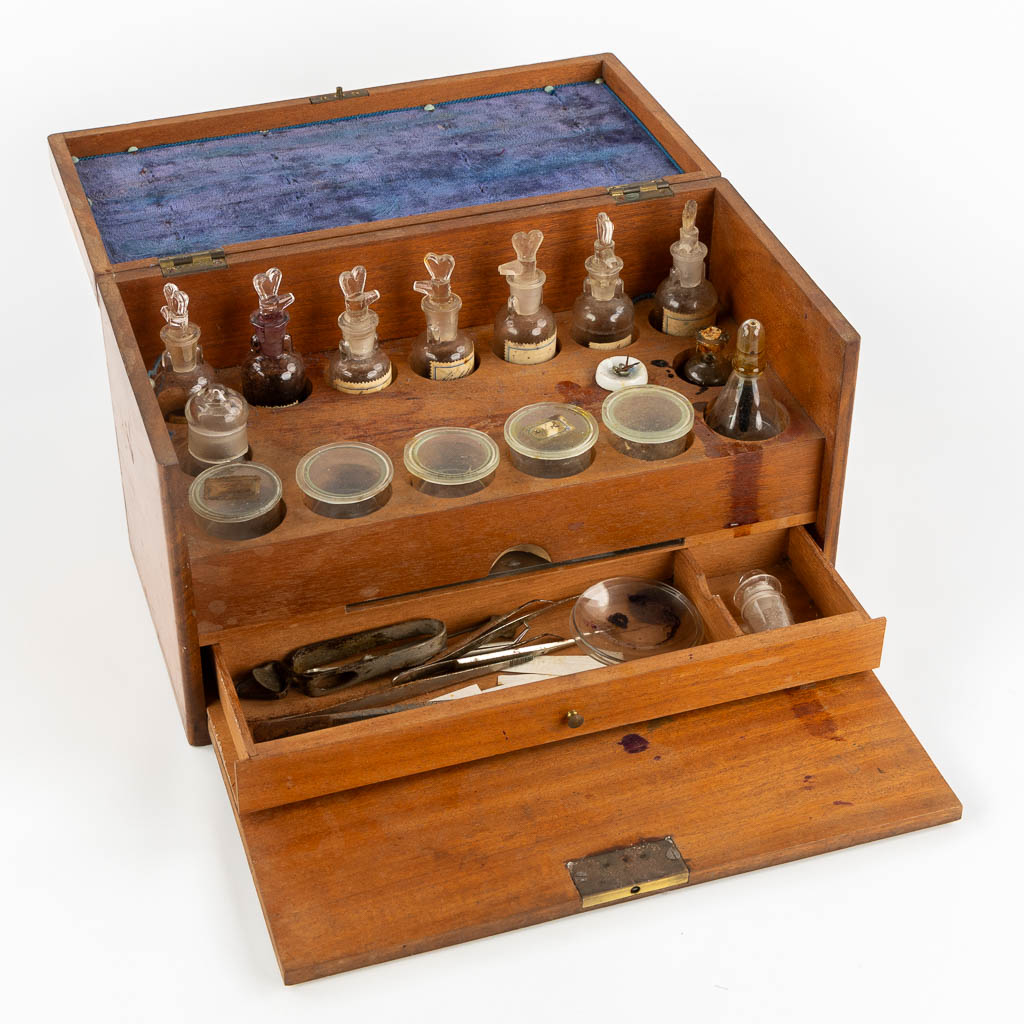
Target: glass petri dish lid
<point>648,414</point>
<point>345,477</point>
<point>551,431</point>
<point>626,618</point>
<point>451,456</point>
<point>237,499</point>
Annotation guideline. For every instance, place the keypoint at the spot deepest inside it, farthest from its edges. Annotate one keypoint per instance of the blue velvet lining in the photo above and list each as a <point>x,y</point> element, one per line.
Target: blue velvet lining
<point>189,196</point>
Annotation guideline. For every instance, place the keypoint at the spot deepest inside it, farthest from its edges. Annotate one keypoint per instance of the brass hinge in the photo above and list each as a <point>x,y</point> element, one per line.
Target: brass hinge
<point>647,866</point>
<point>656,188</point>
<point>338,94</point>
<point>192,262</point>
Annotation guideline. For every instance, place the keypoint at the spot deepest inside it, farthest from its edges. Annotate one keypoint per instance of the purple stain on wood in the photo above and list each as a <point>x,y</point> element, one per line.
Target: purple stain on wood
<point>633,743</point>
<point>842,803</point>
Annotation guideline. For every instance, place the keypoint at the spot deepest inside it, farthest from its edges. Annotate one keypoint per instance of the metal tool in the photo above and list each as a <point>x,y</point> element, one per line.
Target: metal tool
<point>310,721</point>
<point>325,666</point>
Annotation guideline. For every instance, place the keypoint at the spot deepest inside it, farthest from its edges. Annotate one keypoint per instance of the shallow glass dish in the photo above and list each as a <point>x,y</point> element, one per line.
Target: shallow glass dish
<point>238,500</point>
<point>345,480</point>
<point>625,618</point>
<point>451,462</point>
<point>648,422</point>
<point>551,439</point>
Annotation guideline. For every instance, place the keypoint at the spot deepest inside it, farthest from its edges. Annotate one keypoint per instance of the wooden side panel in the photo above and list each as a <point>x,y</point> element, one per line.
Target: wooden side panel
<point>384,871</point>
<point>810,345</point>
<point>152,490</point>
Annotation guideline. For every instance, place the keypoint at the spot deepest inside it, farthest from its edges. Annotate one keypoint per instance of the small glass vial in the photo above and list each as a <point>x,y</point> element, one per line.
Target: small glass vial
<point>181,371</point>
<point>442,351</point>
<point>745,409</point>
<point>707,366</point>
<point>761,603</point>
<point>274,374</point>
<point>686,301</point>
<point>360,366</point>
<point>602,316</point>
<point>524,329</point>
<point>217,433</point>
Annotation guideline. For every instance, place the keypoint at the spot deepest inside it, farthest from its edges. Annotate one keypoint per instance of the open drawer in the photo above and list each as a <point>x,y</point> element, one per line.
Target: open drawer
<point>833,636</point>
<point>473,815</point>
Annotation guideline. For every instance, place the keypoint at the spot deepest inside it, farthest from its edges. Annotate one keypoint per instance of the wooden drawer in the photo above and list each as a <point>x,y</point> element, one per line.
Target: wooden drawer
<point>833,636</point>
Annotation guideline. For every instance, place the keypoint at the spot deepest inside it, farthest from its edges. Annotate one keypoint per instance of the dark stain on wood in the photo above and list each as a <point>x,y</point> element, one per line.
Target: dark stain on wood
<point>815,719</point>
<point>634,743</point>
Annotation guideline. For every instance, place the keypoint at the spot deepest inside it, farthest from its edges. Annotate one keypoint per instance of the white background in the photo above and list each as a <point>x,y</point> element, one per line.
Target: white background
<point>881,142</point>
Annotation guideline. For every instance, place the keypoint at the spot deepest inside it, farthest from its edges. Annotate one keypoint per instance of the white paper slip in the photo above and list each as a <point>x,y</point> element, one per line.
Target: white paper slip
<point>555,665</point>
<point>467,691</point>
<point>519,679</point>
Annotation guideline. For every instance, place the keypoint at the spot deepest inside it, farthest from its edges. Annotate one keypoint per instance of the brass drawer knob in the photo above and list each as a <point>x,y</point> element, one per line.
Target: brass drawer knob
<point>573,719</point>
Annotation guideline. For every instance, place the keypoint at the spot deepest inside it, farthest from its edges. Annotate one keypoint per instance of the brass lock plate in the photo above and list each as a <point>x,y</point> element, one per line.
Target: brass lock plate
<point>648,866</point>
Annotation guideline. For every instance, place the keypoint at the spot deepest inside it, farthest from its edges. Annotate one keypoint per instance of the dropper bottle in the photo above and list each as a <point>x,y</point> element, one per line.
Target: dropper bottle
<point>360,366</point>
<point>602,317</point>
<point>745,409</point>
<point>274,374</point>
<point>686,300</point>
<point>524,329</point>
<point>181,371</point>
<point>442,351</point>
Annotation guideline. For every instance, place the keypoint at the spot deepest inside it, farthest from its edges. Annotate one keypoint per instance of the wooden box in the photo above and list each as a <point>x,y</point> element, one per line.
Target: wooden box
<point>376,839</point>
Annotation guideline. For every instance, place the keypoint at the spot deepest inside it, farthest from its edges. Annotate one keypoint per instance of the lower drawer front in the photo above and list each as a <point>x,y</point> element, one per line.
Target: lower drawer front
<point>833,636</point>
<point>403,866</point>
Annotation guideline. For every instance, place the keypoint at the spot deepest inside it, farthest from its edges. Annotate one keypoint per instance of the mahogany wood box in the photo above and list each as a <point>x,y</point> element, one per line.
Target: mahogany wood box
<point>377,839</point>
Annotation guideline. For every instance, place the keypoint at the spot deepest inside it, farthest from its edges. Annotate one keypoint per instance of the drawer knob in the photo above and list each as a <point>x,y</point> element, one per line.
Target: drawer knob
<point>573,719</point>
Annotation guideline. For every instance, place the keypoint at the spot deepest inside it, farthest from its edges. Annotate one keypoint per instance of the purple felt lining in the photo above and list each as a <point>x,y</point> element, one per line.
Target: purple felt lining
<point>190,196</point>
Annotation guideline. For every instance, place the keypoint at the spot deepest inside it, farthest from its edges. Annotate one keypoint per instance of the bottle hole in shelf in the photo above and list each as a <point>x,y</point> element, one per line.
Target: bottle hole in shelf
<point>518,558</point>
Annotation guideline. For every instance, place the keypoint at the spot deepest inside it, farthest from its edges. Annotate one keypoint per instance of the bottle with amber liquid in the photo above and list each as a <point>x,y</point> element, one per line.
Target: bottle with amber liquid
<point>602,317</point>
<point>686,301</point>
<point>181,371</point>
<point>524,329</point>
<point>360,366</point>
<point>274,374</point>
<point>746,408</point>
<point>442,351</point>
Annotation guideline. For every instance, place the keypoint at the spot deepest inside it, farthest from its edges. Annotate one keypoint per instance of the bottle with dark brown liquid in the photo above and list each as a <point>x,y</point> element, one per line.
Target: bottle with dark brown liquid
<point>686,301</point>
<point>745,409</point>
<point>442,351</point>
<point>274,374</point>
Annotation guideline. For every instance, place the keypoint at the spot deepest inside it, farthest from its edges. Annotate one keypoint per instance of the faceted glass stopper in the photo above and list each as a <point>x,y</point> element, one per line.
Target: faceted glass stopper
<point>218,408</point>
<point>604,261</point>
<point>688,234</point>
<point>440,268</point>
<point>176,310</point>
<point>357,299</point>
<point>526,244</point>
<point>267,286</point>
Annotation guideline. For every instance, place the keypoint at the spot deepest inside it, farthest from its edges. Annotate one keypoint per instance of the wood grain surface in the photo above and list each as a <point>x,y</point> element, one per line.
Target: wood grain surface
<point>380,872</point>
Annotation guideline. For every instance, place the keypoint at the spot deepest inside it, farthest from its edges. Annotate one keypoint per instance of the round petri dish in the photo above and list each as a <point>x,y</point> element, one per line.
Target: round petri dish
<point>451,462</point>
<point>238,500</point>
<point>345,480</point>
<point>551,439</point>
<point>625,618</point>
<point>648,422</point>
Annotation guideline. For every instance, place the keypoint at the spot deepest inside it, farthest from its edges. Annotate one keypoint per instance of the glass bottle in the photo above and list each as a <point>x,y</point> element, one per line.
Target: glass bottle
<point>686,300</point>
<point>524,329</point>
<point>360,366</point>
<point>181,371</point>
<point>707,366</point>
<point>217,433</point>
<point>745,409</point>
<point>442,351</point>
<point>274,374</point>
<point>602,316</point>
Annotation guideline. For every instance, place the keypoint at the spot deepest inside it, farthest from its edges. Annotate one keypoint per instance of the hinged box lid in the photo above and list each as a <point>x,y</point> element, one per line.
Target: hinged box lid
<point>185,193</point>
